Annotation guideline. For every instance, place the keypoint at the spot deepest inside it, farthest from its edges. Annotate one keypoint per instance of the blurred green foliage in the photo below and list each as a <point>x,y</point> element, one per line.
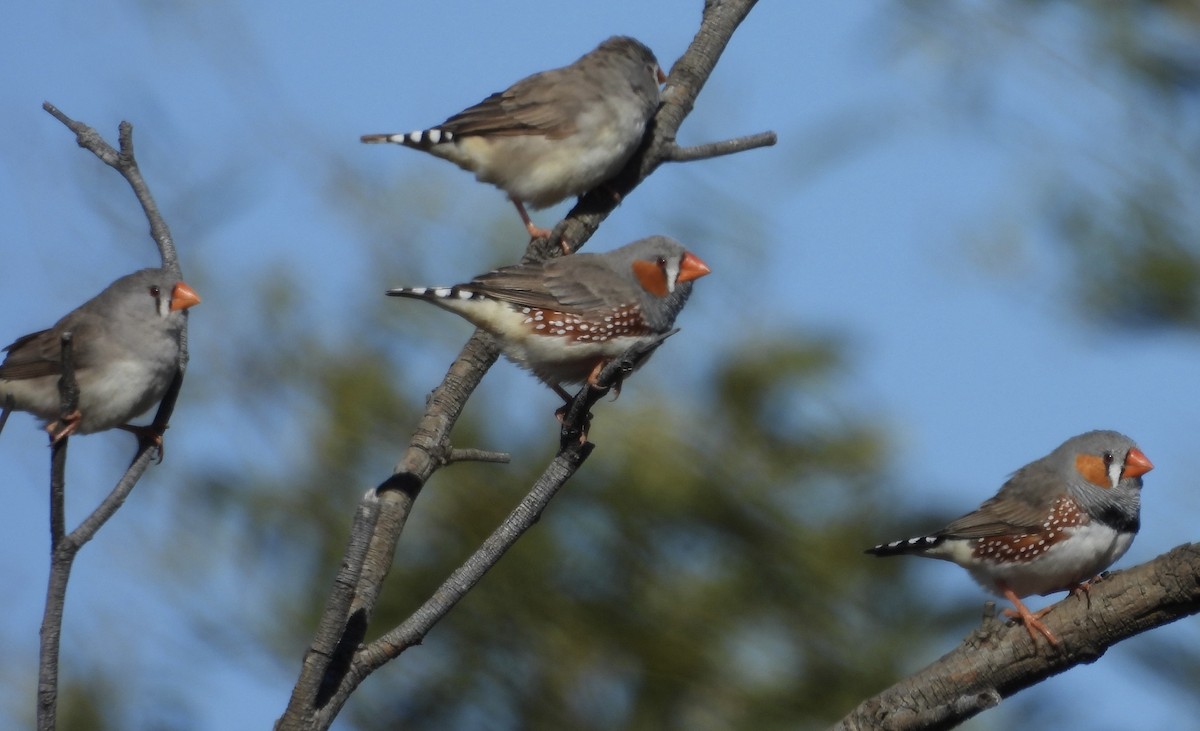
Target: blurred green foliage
<point>1124,215</point>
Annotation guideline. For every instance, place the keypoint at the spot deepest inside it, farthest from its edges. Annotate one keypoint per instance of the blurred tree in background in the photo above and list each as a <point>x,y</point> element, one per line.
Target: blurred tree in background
<point>1122,200</point>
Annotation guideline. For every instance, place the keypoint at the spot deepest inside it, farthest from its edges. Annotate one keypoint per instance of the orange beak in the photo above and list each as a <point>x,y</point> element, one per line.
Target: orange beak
<point>692,267</point>
<point>662,77</point>
<point>183,296</point>
<point>1136,464</point>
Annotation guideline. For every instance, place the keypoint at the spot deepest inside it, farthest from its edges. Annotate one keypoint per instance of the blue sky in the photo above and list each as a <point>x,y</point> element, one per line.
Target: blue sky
<point>885,214</point>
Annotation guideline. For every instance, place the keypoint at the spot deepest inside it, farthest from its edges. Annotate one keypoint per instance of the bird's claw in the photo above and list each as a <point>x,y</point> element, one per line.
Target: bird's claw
<point>64,427</point>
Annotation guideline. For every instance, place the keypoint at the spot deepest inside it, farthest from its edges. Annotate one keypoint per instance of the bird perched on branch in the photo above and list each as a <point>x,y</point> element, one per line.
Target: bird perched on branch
<point>1055,525</point>
<point>554,134</point>
<point>125,343</point>
<point>563,319</point>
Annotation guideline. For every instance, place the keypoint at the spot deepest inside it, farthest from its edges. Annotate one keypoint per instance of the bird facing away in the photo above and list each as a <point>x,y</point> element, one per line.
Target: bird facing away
<point>125,342</point>
<point>1055,525</point>
<point>554,134</point>
<point>563,319</point>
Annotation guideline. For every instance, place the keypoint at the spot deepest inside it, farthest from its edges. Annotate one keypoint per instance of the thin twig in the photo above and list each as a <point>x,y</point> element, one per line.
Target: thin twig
<point>578,416</point>
<point>411,631</point>
<point>62,553</point>
<point>675,153</point>
<point>125,163</point>
<point>477,455</point>
<point>65,546</point>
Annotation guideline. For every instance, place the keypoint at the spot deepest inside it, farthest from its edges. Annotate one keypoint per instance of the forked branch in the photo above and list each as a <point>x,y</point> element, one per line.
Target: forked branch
<point>334,665</point>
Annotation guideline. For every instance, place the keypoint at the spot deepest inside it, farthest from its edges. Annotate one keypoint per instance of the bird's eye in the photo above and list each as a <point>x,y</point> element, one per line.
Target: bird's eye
<point>1108,458</point>
<point>154,291</point>
<point>661,262</point>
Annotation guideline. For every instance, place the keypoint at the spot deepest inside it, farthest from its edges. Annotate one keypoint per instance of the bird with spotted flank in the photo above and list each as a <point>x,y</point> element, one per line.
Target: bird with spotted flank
<point>1053,526</point>
<point>555,134</point>
<point>565,318</point>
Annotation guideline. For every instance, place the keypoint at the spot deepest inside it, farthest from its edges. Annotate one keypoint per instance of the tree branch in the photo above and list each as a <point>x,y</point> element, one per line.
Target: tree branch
<point>125,164</point>
<point>61,557</point>
<point>675,153</point>
<point>362,661</point>
<point>326,678</point>
<point>477,455</point>
<point>996,661</point>
<point>578,416</point>
<point>64,546</point>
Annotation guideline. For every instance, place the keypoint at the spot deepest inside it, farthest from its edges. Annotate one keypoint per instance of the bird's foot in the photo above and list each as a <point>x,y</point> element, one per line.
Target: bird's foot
<point>64,427</point>
<point>593,380</point>
<point>1084,589</point>
<point>1032,620</point>
<point>147,436</point>
<point>535,231</point>
<point>579,425</point>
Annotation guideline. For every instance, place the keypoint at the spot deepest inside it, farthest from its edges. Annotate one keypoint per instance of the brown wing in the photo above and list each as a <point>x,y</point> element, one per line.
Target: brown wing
<point>1019,507</point>
<point>32,356</point>
<point>576,284</point>
<point>40,354</point>
<point>543,104</point>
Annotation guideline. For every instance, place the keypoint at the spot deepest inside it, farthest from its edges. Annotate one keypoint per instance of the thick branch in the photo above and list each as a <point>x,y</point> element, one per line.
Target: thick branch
<point>413,630</point>
<point>687,78</point>
<point>314,704</point>
<point>996,661</point>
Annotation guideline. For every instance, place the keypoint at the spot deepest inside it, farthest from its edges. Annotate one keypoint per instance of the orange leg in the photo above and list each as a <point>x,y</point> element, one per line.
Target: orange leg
<point>534,231</point>
<point>1031,620</point>
<point>64,427</point>
<point>1083,589</point>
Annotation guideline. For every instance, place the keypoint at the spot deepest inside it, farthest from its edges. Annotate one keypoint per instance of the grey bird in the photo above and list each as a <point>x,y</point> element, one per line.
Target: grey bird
<point>125,342</point>
<point>1057,523</point>
<point>564,319</point>
<point>554,134</point>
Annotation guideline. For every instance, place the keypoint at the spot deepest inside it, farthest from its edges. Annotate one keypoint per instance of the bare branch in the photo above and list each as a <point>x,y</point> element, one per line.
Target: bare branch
<point>687,78</point>
<point>64,546</point>
<point>477,455</point>
<point>996,661</point>
<point>314,703</point>
<point>577,417</point>
<point>61,554</point>
<point>675,153</point>
<point>413,630</point>
<point>125,163</point>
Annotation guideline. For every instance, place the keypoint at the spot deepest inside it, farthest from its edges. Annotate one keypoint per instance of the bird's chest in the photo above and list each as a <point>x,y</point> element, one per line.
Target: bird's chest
<point>1082,553</point>
<point>121,390</point>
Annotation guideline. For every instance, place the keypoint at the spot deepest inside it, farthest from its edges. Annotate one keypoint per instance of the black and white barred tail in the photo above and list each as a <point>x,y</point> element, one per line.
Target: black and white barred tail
<point>920,544</point>
<point>421,139</point>
<point>435,293</point>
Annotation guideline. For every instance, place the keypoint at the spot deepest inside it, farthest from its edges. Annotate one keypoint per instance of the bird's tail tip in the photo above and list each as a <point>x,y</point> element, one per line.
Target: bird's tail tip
<point>908,545</point>
<point>421,139</point>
